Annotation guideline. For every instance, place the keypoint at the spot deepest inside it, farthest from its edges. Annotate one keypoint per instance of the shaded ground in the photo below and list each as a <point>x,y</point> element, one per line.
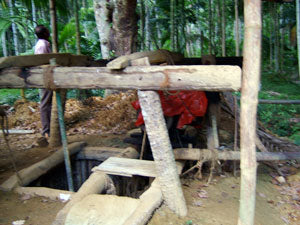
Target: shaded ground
<point>105,123</point>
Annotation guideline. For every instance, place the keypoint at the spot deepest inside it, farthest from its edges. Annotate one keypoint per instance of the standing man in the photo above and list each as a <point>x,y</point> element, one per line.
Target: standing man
<point>42,47</point>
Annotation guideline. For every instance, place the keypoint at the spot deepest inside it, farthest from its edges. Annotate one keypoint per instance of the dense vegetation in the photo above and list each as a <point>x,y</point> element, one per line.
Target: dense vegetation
<point>194,27</point>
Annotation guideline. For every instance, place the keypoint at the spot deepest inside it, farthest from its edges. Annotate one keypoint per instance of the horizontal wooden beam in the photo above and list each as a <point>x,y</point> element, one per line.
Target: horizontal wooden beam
<point>198,154</point>
<point>207,78</point>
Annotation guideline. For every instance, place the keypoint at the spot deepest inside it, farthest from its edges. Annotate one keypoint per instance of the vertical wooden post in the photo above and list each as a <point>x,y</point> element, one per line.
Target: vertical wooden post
<point>250,84</point>
<point>162,151</point>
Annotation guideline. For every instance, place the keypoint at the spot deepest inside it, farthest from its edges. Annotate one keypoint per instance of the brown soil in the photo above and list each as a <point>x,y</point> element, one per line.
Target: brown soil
<point>104,122</point>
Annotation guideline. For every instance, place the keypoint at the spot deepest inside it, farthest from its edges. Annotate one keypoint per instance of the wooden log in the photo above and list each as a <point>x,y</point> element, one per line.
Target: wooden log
<point>33,172</point>
<point>197,154</point>
<point>209,78</point>
<point>149,201</point>
<point>95,184</point>
<point>158,56</point>
<point>162,151</point>
<point>62,59</point>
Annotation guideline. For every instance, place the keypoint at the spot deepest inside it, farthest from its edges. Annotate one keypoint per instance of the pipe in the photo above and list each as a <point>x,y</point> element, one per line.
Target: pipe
<point>64,141</point>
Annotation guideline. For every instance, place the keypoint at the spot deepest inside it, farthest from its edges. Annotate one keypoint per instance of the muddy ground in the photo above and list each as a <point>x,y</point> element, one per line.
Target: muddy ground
<point>101,123</point>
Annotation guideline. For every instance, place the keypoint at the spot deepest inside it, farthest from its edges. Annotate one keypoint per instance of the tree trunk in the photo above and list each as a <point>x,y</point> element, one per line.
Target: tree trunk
<point>84,4</point>
<point>183,24</point>
<point>276,33</point>
<point>52,6</point>
<point>4,48</point>
<point>55,138</point>
<point>147,28</point>
<point>33,12</point>
<point>124,27</point>
<point>14,28</point>
<point>188,43</point>
<point>176,26</point>
<point>223,28</point>
<point>142,24</point>
<point>298,33</point>
<point>236,30</point>
<point>270,36</point>
<point>102,12</point>
<point>158,31</point>
<point>250,88</point>
<point>210,26</point>
<point>172,26</point>
<point>76,9</point>
<point>281,52</point>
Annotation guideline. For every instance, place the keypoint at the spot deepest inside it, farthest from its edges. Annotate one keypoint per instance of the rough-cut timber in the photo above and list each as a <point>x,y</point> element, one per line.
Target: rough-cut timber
<point>96,183</point>
<point>158,56</point>
<point>209,78</point>
<point>162,151</point>
<point>62,59</point>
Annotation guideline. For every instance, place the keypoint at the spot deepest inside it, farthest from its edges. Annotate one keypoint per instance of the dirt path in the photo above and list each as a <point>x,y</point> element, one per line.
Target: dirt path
<point>219,203</point>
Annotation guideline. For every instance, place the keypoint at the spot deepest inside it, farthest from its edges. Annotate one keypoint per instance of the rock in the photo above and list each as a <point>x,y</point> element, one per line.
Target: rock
<point>280,179</point>
<point>42,142</point>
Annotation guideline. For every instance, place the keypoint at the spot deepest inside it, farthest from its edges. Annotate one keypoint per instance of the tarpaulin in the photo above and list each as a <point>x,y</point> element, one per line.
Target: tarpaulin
<point>187,104</point>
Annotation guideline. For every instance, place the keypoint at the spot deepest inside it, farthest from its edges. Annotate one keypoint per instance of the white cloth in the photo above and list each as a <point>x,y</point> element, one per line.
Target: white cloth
<point>42,46</point>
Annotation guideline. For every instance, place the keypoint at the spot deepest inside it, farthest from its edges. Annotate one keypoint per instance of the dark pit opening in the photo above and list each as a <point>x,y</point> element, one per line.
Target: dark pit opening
<point>56,178</point>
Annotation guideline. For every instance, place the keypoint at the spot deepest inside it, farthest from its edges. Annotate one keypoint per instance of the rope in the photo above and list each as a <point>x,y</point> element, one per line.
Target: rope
<point>4,128</point>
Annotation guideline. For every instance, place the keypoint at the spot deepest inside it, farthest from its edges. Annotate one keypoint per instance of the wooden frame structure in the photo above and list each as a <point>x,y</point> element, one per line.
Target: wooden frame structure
<point>175,78</point>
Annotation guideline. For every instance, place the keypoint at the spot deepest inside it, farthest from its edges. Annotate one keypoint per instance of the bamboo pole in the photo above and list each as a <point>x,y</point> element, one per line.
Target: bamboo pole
<point>249,100</point>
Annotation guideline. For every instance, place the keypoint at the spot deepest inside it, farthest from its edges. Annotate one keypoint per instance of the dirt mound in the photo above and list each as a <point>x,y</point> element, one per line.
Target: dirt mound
<point>113,114</point>
<point>26,115</point>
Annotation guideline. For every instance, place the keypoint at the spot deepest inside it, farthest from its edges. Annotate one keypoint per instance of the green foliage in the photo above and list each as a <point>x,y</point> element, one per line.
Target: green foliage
<point>9,96</point>
<point>279,118</point>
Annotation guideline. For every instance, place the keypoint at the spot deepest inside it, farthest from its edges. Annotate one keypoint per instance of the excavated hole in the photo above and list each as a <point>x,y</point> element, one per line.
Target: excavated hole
<point>56,178</point>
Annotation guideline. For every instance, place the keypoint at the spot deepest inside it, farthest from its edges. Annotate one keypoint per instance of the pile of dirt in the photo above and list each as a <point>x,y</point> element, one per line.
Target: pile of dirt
<point>26,116</point>
<point>113,114</point>
<point>95,115</point>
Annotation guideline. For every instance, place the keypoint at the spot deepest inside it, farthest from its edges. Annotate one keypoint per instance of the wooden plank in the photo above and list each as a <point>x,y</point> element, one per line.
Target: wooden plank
<point>127,167</point>
<point>209,78</point>
<point>19,131</point>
